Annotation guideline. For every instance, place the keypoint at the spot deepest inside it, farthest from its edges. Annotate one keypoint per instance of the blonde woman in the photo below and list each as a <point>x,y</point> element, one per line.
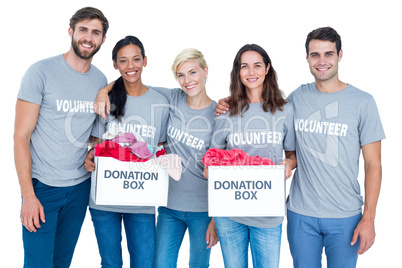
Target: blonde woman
<point>191,121</point>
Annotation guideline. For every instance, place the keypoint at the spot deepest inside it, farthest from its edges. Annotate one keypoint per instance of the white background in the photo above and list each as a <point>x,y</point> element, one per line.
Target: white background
<point>371,35</point>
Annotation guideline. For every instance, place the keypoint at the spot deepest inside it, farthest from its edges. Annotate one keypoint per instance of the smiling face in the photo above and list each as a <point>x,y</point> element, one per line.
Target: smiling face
<point>253,71</point>
<point>130,63</point>
<point>192,77</point>
<point>87,38</point>
<point>323,60</point>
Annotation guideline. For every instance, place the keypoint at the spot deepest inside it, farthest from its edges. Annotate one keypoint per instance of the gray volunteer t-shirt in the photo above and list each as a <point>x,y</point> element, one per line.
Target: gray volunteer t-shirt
<point>59,142</point>
<point>146,115</point>
<point>330,130</point>
<point>257,133</point>
<point>188,135</point>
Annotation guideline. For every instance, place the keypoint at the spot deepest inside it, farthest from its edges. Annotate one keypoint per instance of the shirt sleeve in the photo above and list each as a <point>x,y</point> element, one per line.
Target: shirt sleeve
<point>167,92</point>
<point>222,128</point>
<point>165,121</point>
<point>289,140</point>
<point>370,127</point>
<point>32,87</point>
<point>99,127</point>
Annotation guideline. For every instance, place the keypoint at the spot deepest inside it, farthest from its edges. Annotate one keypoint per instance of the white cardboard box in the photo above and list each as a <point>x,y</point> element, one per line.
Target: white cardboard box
<point>117,182</point>
<point>246,191</point>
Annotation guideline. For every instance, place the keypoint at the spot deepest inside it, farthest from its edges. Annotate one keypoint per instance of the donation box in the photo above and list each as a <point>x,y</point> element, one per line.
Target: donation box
<point>246,191</point>
<point>117,182</point>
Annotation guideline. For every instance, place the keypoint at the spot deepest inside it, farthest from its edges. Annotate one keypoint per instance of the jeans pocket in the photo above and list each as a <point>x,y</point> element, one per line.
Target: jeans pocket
<point>34,182</point>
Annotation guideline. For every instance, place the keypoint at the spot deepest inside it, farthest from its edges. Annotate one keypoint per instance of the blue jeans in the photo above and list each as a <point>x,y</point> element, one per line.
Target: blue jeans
<point>265,244</point>
<point>333,234</point>
<point>170,230</point>
<point>140,234</point>
<point>53,244</point>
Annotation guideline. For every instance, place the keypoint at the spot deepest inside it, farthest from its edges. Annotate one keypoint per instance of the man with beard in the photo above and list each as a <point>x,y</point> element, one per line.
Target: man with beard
<point>53,122</point>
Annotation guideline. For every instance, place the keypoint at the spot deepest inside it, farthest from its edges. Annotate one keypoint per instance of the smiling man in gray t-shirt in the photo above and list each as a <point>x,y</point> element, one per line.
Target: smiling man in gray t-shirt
<point>54,117</point>
<point>333,121</point>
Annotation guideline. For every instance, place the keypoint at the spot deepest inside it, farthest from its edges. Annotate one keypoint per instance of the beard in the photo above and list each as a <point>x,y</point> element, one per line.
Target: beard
<point>83,54</point>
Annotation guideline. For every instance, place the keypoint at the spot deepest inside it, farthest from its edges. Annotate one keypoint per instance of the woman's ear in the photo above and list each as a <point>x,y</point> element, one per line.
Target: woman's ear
<point>266,71</point>
<point>145,61</point>
<point>206,72</point>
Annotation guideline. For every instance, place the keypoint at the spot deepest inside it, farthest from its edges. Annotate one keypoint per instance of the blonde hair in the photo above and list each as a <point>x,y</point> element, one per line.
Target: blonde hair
<point>187,55</point>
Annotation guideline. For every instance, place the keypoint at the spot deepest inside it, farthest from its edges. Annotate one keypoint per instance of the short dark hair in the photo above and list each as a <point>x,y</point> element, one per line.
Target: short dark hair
<point>324,34</point>
<point>89,13</point>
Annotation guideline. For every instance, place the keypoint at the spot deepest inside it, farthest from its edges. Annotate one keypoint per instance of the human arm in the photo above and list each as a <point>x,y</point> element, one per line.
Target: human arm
<point>102,102</point>
<point>222,106</point>
<point>166,92</point>
<point>212,234</point>
<point>89,159</point>
<point>290,163</point>
<point>161,144</point>
<point>26,117</point>
<point>373,176</point>
<point>221,129</point>
<point>205,172</point>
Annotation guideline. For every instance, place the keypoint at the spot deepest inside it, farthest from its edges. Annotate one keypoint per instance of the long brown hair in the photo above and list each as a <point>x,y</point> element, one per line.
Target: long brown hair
<point>271,94</point>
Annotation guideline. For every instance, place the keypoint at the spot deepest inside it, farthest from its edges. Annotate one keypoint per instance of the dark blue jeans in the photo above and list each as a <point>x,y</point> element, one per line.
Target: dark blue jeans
<point>140,234</point>
<point>53,244</point>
